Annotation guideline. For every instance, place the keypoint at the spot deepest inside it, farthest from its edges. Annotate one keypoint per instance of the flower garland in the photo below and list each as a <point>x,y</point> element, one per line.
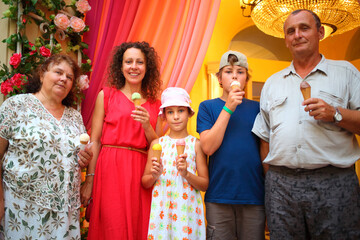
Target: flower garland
<point>61,24</point>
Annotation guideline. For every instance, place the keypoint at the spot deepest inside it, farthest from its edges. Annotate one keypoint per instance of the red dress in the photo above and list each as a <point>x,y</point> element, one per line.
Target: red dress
<point>121,206</point>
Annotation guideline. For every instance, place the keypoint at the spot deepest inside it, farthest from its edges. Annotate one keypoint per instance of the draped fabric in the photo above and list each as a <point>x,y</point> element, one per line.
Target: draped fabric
<point>179,30</point>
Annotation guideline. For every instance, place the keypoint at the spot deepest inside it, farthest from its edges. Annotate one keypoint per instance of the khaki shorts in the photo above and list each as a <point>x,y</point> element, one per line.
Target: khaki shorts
<point>235,221</point>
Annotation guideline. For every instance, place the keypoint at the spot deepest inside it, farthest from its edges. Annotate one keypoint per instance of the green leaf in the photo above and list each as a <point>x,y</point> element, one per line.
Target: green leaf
<point>46,218</point>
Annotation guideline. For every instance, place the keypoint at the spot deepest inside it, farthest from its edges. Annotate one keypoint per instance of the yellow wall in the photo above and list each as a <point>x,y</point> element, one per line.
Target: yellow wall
<point>230,22</point>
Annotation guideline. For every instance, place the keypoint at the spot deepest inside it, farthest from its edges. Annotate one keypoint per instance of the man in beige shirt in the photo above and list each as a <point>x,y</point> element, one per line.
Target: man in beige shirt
<point>311,189</point>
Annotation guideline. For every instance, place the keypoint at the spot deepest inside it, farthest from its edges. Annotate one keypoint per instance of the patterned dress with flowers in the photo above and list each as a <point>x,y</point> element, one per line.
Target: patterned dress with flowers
<point>177,208</point>
<point>41,173</point>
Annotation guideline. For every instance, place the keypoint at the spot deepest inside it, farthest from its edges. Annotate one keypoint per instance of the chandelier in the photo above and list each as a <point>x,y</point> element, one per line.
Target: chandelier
<point>337,16</point>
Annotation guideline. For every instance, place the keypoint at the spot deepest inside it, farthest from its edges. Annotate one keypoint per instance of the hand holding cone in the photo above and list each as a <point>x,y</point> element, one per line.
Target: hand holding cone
<point>305,90</point>
<point>157,151</point>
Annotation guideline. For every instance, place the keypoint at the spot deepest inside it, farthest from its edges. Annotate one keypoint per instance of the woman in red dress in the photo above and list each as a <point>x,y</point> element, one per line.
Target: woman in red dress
<point>121,134</point>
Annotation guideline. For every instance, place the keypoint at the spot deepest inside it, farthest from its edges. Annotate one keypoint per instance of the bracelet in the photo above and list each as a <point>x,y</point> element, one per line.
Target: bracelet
<point>90,174</point>
<point>228,110</point>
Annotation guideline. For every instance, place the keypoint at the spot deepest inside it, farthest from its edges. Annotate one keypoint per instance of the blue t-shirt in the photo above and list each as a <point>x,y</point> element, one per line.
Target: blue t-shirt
<point>235,169</point>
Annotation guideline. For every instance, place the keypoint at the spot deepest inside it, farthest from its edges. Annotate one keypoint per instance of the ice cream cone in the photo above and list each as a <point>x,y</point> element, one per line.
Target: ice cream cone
<point>305,90</point>
<point>84,139</point>
<point>180,146</point>
<point>235,85</point>
<point>136,97</point>
<point>157,151</point>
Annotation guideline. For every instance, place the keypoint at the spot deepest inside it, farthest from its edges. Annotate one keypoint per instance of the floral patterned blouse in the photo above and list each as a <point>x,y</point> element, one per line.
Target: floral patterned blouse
<point>40,164</point>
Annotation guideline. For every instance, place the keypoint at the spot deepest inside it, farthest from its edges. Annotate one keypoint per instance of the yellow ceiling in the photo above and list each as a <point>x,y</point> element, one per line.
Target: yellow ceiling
<point>234,31</point>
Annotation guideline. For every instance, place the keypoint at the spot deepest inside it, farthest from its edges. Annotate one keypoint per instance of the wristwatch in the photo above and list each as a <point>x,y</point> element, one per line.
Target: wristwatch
<point>337,116</point>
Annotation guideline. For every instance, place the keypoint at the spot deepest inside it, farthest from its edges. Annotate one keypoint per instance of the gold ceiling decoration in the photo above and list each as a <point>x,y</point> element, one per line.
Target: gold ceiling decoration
<point>337,16</point>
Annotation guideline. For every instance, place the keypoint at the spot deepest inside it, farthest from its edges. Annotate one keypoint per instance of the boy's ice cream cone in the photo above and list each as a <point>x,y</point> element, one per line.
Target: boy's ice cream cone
<point>136,97</point>
<point>305,90</point>
<point>235,85</point>
<point>180,146</point>
<point>157,151</point>
<point>84,139</point>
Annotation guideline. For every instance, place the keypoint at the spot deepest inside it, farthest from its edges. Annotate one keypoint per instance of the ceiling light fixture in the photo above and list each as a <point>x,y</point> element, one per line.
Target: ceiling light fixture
<point>337,16</point>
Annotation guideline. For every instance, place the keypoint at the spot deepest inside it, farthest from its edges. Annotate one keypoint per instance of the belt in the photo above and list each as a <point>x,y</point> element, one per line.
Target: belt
<point>141,150</point>
<point>328,168</point>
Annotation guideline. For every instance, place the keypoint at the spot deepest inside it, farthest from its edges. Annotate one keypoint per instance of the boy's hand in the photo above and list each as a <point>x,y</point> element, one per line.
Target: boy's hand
<point>234,99</point>
<point>181,165</point>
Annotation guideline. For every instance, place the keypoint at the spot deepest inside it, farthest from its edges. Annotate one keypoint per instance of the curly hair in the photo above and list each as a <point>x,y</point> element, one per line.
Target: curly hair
<point>34,85</point>
<point>151,83</point>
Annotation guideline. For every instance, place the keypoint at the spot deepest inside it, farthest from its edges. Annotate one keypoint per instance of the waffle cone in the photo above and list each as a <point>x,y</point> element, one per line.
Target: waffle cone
<point>180,149</point>
<point>306,92</point>
<point>157,154</point>
<point>137,102</point>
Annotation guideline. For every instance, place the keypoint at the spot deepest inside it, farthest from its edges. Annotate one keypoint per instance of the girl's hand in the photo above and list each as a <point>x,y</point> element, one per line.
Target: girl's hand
<point>181,165</point>
<point>140,114</point>
<point>156,168</point>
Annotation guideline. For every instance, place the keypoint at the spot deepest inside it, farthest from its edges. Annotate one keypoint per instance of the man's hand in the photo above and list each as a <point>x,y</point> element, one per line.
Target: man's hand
<point>319,109</point>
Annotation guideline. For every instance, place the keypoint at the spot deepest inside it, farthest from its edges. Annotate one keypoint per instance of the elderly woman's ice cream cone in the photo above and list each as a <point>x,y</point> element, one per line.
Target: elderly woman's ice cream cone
<point>84,139</point>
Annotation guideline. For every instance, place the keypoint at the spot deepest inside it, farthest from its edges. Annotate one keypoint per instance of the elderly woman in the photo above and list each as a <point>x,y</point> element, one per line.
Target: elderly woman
<point>39,142</point>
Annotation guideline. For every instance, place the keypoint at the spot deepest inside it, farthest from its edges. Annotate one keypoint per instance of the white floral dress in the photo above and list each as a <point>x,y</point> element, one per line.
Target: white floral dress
<point>177,208</point>
<point>41,174</point>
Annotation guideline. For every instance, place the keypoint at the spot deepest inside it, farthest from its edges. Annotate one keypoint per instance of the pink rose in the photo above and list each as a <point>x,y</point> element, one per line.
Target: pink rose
<point>83,82</point>
<point>62,21</point>
<point>77,24</point>
<point>15,60</point>
<point>6,87</point>
<point>83,6</point>
<point>45,52</point>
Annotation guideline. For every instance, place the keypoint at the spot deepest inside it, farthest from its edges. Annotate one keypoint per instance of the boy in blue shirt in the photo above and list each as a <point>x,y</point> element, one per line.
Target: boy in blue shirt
<point>235,196</point>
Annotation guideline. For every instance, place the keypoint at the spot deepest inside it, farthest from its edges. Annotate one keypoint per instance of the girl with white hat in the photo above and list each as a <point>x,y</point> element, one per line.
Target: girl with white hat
<point>177,206</point>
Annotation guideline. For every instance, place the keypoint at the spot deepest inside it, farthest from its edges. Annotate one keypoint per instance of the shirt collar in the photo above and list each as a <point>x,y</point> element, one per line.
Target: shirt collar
<point>322,67</point>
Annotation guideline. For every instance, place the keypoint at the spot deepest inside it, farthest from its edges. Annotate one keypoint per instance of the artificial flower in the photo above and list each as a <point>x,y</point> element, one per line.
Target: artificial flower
<point>32,48</point>
<point>45,52</point>
<point>17,80</point>
<point>83,6</point>
<point>62,21</point>
<point>83,82</point>
<point>6,87</point>
<point>77,24</point>
<point>15,60</point>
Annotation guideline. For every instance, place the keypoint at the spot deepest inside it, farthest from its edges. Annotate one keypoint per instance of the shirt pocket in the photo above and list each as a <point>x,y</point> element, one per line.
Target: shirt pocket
<point>335,101</point>
<point>276,111</point>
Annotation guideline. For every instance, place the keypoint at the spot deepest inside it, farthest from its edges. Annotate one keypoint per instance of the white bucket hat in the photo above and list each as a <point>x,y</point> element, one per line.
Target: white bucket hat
<point>174,96</point>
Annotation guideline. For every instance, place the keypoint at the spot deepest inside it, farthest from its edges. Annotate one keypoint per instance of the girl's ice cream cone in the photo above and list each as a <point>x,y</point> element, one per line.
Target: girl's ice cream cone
<point>157,151</point>
<point>180,146</point>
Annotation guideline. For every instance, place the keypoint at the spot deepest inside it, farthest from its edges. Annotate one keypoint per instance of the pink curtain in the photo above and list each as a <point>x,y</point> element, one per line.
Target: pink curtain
<point>179,30</point>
